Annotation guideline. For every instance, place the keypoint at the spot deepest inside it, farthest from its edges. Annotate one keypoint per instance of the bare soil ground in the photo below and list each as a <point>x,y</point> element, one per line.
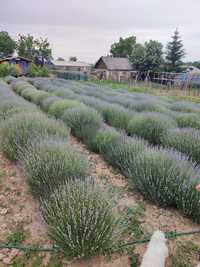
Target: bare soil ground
<point>20,212</point>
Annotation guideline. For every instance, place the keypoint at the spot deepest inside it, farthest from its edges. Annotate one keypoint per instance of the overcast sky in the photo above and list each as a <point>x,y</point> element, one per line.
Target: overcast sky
<point>87,28</point>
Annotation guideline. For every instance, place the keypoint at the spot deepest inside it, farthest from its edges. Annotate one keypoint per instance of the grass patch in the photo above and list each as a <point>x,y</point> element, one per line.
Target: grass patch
<point>134,227</point>
<point>16,237</point>
<point>134,260</point>
<point>185,254</point>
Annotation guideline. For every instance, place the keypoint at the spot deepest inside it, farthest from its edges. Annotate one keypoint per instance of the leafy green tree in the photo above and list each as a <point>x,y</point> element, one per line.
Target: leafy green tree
<point>124,47</point>
<point>8,69</point>
<point>196,64</point>
<point>175,53</point>
<point>148,56</point>
<point>37,71</point>
<point>43,49</point>
<point>26,46</point>
<point>153,55</point>
<point>32,48</point>
<point>138,57</point>
<point>7,44</point>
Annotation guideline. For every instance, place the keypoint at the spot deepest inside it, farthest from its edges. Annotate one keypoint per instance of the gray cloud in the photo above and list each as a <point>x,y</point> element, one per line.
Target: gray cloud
<point>87,28</point>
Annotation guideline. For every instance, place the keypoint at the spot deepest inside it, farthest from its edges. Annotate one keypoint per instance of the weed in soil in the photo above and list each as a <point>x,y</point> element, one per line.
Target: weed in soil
<point>134,260</point>
<point>16,237</point>
<point>185,253</point>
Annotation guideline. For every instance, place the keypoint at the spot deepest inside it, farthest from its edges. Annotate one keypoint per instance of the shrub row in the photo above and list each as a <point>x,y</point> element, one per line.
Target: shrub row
<point>191,120</point>
<point>17,130</point>
<point>50,162</point>
<point>166,177</point>
<point>150,126</point>
<point>185,140</point>
<point>78,212</point>
<point>155,127</point>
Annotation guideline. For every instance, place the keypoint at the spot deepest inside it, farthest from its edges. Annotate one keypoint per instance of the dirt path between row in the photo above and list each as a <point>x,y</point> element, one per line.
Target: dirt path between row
<point>19,212</point>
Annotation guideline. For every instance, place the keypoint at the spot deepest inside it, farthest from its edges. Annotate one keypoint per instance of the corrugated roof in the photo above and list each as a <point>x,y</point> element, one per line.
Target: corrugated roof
<point>116,63</point>
<point>69,63</point>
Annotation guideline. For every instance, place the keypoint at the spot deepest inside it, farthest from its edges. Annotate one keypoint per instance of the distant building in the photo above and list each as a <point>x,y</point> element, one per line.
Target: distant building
<point>193,69</point>
<point>114,68</point>
<point>62,65</point>
<point>191,77</point>
<point>22,64</point>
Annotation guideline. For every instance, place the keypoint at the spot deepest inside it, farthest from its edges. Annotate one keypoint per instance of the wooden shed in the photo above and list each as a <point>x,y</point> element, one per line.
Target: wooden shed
<point>114,68</point>
<point>22,64</point>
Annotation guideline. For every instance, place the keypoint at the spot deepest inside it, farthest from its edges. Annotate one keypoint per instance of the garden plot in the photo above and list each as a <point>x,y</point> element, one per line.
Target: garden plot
<point>165,176</point>
<point>120,151</point>
<point>145,120</point>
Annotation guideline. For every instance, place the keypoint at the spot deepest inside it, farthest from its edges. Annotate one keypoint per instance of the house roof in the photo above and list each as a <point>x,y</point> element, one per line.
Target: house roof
<point>116,63</point>
<point>15,58</point>
<point>63,63</point>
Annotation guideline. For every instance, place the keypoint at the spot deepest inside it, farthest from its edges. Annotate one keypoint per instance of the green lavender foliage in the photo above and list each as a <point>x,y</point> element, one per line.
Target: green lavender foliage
<point>188,120</point>
<point>80,219</point>
<point>122,151</point>
<point>103,138</point>
<point>57,108</point>
<point>7,110</point>
<point>20,85</point>
<point>47,102</point>
<point>150,126</point>
<point>35,96</point>
<point>182,106</point>
<point>29,92</point>
<point>145,105</point>
<point>16,131</point>
<point>117,116</point>
<point>185,140</point>
<point>161,175</point>
<point>189,198</point>
<point>83,121</point>
<point>49,162</point>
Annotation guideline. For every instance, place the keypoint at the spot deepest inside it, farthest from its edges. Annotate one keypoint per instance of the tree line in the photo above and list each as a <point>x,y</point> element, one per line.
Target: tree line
<point>150,55</point>
<point>26,46</point>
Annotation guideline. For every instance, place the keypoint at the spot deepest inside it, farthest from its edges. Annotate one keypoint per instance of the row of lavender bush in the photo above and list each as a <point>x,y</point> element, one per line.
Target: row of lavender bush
<point>166,129</point>
<point>77,210</point>
<point>164,176</point>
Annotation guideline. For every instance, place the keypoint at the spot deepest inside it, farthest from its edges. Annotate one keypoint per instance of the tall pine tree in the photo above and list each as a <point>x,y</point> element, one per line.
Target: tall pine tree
<point>175,53</point>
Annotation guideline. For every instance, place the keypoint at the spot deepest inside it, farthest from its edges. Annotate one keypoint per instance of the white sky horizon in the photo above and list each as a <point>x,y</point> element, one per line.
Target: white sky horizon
<point>86,29</point>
